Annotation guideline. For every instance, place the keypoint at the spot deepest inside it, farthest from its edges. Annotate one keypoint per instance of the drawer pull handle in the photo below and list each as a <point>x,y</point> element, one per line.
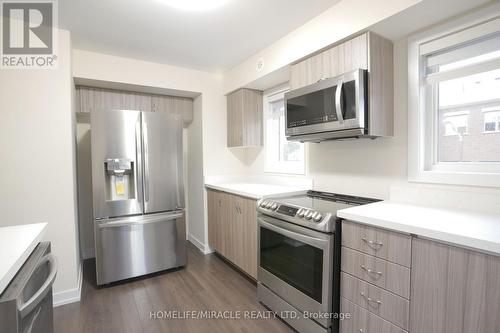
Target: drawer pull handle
<point>362,330</point>
<point>372,244</point>
<point>371,271</point>
<point>370,300</point>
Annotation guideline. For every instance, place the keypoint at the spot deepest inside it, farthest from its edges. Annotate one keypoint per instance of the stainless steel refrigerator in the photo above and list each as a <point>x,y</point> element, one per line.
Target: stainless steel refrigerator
<point>138,194</point>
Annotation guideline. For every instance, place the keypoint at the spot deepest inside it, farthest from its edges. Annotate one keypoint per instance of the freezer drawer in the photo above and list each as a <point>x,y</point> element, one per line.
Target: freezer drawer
<point>139,245</point>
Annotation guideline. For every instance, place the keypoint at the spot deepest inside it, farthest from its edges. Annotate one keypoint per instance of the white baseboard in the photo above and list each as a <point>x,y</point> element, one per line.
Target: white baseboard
<point>88,253</point>
<point>70,295</point>
<point>200,245</point>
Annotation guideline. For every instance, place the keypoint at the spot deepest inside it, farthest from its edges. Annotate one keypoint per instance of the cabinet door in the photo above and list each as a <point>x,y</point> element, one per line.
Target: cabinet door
<point>249,235</point>
<point>235,119</point>
<point>252,118</point>
<point>237,229</point>
<point>244,118</point>
<point>223,226</point>
<point>354,54</point>
<point>183,107</point>
<point>213,221</point>
<point>453,290</point>
<point>335,61</point>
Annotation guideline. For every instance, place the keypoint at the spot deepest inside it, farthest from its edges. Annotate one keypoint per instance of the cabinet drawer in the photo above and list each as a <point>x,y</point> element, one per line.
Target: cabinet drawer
<point>383,244</point>
<point>363,321</point>
<point>382,273</point>
<point>390,307</point>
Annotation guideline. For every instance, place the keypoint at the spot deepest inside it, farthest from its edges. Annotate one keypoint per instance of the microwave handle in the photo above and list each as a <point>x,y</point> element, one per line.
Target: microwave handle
<point>338,104</point>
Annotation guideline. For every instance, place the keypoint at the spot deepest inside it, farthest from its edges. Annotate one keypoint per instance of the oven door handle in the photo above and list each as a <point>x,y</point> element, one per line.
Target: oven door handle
<point>316,242</point>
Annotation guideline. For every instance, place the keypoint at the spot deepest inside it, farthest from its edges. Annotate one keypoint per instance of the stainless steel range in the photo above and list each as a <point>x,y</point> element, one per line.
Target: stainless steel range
<point>299,257</point>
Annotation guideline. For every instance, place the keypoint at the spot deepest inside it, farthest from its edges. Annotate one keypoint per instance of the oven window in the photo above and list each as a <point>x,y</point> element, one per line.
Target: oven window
<point>314,108</point>
<point>298,264</point>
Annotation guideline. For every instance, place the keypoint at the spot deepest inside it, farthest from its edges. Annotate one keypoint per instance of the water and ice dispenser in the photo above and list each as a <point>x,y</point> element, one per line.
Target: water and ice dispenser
<point>120,184</point>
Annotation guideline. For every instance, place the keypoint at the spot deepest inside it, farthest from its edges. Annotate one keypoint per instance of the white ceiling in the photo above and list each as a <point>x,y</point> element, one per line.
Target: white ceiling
<point>213,40</point>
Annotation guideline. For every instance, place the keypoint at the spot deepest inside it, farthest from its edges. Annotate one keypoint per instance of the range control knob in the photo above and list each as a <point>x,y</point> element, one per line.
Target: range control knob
<point>269,204</point>
<point>317,217</point>
<point>308,215</point>
<point>274,206</point>
<point>301,213</point>
<point>263,204</point>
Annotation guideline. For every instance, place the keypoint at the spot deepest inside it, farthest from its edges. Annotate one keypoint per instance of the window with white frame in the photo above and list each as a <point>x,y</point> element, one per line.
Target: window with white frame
<point>454,101</point>
<point>282,156</point>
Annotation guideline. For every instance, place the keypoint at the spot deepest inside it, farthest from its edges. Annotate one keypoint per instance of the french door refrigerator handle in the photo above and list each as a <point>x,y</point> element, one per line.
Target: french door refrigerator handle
<point>28,306</point>
<point>146,163</point>
<point>138,179</point>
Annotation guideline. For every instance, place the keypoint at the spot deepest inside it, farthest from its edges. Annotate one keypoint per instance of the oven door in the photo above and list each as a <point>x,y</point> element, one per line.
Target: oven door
<point>296,264</point>
<point>332,104</point>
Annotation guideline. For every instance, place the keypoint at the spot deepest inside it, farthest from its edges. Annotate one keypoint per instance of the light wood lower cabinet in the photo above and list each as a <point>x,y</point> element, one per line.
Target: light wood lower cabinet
<point>382,273</point>
<point>232,229</point>
<point>453,290</point>
<point>378,301</point>
<point>364,321</point>
<point>443,289</point>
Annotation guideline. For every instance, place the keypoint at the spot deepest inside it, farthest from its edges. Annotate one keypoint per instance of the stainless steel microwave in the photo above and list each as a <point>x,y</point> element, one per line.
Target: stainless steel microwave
<point>332,108</point>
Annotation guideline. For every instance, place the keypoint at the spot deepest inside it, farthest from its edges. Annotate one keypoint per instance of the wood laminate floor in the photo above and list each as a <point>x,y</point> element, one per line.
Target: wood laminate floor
<point>206,283</point>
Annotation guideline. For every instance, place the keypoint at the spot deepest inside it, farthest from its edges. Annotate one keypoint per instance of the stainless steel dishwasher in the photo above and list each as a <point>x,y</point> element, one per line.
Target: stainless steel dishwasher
<point>26,304</point>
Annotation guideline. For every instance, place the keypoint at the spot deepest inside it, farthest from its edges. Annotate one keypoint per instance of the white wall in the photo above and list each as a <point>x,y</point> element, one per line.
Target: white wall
<point>37,153</point>
<point>207,152</point>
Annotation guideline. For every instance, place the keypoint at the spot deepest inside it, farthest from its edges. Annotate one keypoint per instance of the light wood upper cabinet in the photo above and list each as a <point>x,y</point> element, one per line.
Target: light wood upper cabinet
<point>244,118</point>
<point>180,106</point>
<point>367,51</point>
<point>102,99</point>
<point>453,290</point>
<point>90,99</point>
<point>232,229</point>
<point>332,62</point>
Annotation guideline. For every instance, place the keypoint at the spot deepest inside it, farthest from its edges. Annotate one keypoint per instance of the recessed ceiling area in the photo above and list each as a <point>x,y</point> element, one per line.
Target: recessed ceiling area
<point>211,39</point>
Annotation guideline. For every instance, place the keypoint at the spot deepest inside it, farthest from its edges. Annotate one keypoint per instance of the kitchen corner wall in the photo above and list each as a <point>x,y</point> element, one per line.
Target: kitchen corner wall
<point>37,151</point>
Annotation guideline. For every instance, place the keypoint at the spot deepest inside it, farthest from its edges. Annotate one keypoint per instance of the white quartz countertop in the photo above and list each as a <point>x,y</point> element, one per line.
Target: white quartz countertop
<point>460,227</point>
<point>16,244</point>
<point>255,190</point>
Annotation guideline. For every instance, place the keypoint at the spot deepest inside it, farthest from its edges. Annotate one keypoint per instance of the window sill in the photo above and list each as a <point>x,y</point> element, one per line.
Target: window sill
<point>460,178</point>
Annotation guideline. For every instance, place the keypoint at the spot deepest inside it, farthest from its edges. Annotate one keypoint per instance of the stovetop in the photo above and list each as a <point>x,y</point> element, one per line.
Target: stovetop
<point>314,210</point>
